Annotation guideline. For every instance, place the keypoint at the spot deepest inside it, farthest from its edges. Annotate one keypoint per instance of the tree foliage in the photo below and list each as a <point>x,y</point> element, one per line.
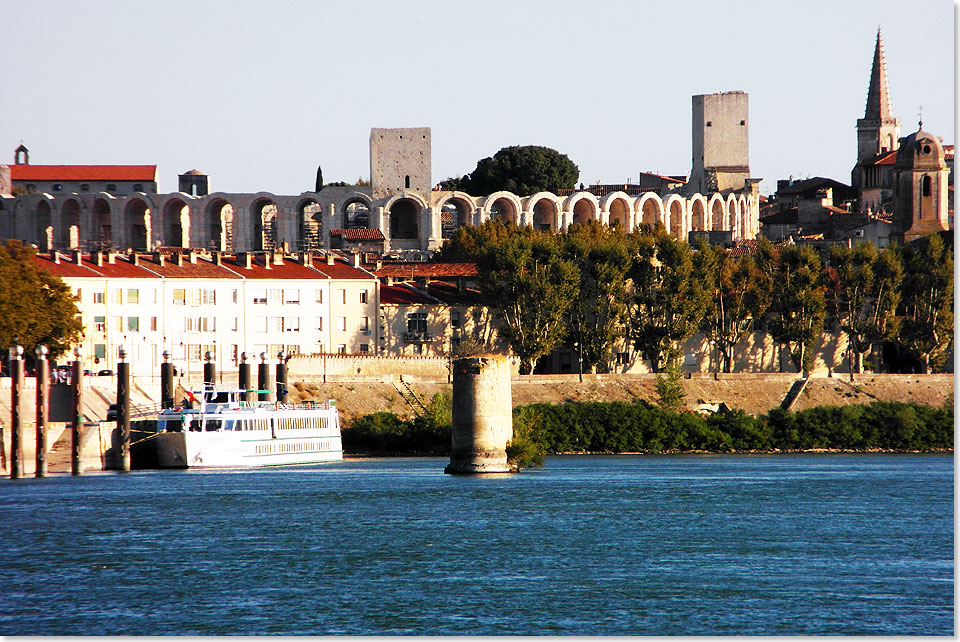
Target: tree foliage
<point>927,304</point>
<point>668,302</point>
<point>863,290</point>
<point>36,307</point>
<point>799,307</point>
<point>738,292</point>
<point>523,170</point>
<point>598,315</point>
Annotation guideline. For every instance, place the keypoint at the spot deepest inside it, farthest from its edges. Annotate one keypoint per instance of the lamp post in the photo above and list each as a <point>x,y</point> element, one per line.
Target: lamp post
<point>123,407</point>
<point>76,415</point>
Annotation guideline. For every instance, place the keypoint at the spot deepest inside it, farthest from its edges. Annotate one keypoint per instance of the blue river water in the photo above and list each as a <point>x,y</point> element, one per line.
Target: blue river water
<point>819,544</point>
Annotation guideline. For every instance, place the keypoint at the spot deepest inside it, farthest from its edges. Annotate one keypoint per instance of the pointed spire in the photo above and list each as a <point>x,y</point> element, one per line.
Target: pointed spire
<point>878,96</point>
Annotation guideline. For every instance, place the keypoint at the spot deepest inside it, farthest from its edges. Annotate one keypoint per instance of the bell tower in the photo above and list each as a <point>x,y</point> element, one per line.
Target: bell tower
<point>878,131</point>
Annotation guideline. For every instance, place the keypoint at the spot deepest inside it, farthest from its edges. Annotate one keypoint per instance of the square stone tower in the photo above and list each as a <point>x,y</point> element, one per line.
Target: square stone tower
<point>721,159</point>
<point>400,160</point>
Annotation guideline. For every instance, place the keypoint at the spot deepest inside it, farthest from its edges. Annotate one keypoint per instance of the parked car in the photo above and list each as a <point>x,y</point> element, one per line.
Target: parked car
<point>105,373</point>
<point>112,412</point>
<point>88,373</point>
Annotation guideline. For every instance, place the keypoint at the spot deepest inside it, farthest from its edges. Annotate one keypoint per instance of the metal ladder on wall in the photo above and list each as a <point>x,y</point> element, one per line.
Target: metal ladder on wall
<point>411,398</point>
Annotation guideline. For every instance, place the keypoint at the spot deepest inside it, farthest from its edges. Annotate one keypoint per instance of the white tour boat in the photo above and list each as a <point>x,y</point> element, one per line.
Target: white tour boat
<point>219,428</point>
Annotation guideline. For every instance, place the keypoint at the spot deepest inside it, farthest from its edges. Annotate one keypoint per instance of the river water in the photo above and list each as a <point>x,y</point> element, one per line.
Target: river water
<point>615,545</point>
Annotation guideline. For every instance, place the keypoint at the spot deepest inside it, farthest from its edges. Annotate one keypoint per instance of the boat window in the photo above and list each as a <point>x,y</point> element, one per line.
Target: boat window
<point>213,425</point>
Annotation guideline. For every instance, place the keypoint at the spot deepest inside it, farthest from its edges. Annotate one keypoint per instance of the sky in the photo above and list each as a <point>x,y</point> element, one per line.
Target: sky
<point>258,95</point>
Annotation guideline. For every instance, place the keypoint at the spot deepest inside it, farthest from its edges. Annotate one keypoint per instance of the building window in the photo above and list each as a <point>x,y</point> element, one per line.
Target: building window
<point>454,318</point>
<point>291,350</point>
<point>118,296</point>
<point>259,324</point>
<point>194,297</point>
<point>417,322</point>
<point>137,187</point>
<point>363,296</point>
<point>194,352</point>
<point>100,324</point>
<point>319,324</point>
<point>118,324</point>
<point>153,324</point>
<point>291,324</point>
<point>57,187</point>
<point>133,296</point>
<point>84,187</point>
<point>318,296</point>
<point>417,348</point>
<point>342,324</point>
<point>709,124</point>
<point>406,181</point>
<point>275,296</point>
<point>179,297</point>
<point>100,350</point>
<point>209,297</point>
<point>364,348</point>
<point>291,297</point>
<point>365,324</point>
<point>743,123</point>
<point>233,296</point>
<point>925,185</point>
<point>260,297</point>
<point>111,187</point>
<point>133,324</point>
<point>343,296</point>
<point>342,348</point>
<point>99,298</point>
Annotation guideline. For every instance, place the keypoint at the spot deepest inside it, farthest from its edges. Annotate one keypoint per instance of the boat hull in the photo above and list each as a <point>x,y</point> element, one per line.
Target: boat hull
<point>235,449</point>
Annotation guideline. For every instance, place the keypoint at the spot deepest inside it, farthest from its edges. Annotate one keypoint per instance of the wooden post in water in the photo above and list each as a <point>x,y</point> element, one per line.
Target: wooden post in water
<point>76,415</point>
<point>123,408</point>
<point>43,403</point>
<point>243,378</point>
<point>281,377</point>
<point>167,399</point>
<point>16,414</point>
<point>263,377</point>
<point>482,415</point>
<point>209,369</point>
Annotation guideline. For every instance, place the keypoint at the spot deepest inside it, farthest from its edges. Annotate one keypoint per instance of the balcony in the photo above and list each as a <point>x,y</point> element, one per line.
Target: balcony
<point>418,337</point>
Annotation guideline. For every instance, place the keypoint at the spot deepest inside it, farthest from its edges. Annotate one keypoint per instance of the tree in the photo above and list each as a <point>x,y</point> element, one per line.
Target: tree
<point>36,307</point>
<point>667,302</point>
<point>799,307</point>
<point>927,300</point>
<point>523,170</point>
<point>599,312</point>
<point>532,286</point>
<point>738,292</point>
<point>319,182</point>
<point>863,293</point>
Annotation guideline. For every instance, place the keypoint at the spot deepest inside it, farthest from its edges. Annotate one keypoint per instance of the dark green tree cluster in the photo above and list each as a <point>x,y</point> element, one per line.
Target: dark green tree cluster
<point>591,287</point>
<point>523,170</point>
<point>36,308</point>
<point>619,427</point>
<point>384,433</point>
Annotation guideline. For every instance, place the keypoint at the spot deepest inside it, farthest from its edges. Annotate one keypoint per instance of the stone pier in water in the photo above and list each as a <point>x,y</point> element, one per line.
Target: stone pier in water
<point>482,415</point>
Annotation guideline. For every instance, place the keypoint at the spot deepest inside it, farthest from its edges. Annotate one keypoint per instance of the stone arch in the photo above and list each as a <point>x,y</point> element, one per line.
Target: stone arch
<point>675,217</point>
<point>310,224</point>
<point>744,208</point>
<point>102,236</point>
<point>698,213</point>
<point>455,212</point>
<point>580,207</point>
<point>176,222</point>
<point>355,213</point>
<point>733,215</point>
<point>136,224</point>
<point>404,215</point>
<point>218,234</point>
<point>649,210</point>
<point>615,209</point>
<point>717,213</point>
<point>504,206</point>
<point>544,208</point>
<point>70,225</point>
<point>43,225</point>
<point>264,214</point>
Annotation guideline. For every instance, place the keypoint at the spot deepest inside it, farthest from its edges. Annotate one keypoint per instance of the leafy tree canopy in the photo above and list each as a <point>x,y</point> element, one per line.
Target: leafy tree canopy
<point>36,307</point>
<point>523,170</point>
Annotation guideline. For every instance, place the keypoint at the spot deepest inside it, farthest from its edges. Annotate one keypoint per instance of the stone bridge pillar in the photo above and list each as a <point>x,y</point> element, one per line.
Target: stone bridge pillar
<point>482,415</point>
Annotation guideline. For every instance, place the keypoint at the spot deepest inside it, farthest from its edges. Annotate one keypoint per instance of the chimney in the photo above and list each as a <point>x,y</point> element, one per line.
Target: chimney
<point>56,257</point>
<point>330,259</point>
<point>267,260</point>
<point>135,258</point>
<point>247,263</point>
<point>379,264</point>
<point>160,259</point>
<point>355,259</point>
<point>217,258</point>
<point>193,257</point>
<point>78,256</point>
<point>99,259</point>
<point>278,258</point>
<point>307,259</point>
<point>111,258</point>
<point>179,260</point>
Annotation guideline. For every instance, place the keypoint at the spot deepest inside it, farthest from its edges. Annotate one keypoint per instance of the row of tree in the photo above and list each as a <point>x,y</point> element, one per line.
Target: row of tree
<point>593,287</point>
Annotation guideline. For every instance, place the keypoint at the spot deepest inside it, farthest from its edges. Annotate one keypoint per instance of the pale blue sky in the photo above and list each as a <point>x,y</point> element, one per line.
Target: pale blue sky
<point>257,94</point>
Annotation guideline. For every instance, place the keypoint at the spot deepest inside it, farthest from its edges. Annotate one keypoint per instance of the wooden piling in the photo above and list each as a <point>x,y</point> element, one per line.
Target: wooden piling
<point>76,416</point>
<point>123,409</point>
<point>281,378</point>
<point>16,414</point>
<point>43,404</point>
<point>263,377</point>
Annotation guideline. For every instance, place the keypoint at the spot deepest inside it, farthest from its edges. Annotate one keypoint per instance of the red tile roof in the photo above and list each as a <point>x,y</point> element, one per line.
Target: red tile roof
<point>414,270</point>
<point>122,267</point>
<point>204,268</point>
<point>288,269</point>
<point>83,173</point>
<point>402,295</point>
<point>340,269</point>
<point>358,234</point>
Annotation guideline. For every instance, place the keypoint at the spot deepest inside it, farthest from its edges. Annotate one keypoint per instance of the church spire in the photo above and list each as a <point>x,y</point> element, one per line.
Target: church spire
<point>878,96</point>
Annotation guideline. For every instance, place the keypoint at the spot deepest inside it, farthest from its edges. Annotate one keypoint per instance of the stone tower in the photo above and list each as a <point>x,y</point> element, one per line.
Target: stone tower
<point>878,131</point>
<point>921,186</point>
<point>400,161</point>
<point>721,160</point>
<point>194,182</point>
